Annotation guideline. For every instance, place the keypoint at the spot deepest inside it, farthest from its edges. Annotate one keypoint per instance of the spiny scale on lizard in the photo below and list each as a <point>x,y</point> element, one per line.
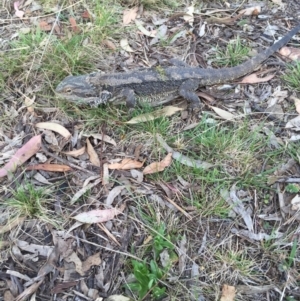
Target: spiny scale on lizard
<point>158,85</point>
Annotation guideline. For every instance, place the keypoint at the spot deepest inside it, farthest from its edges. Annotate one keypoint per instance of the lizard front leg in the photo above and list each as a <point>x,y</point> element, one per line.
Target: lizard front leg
<point>187,91</point>
<point>130,97</point>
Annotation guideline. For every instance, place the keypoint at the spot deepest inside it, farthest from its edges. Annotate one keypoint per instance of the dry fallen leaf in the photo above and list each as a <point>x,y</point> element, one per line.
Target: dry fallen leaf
<point>126,163</point>
<point>74,26</point>
<point>105,175</point>
<point>237,205</point>
<point>33,248</point>
<point>105,138</point>
<point>19,13</point>
<point>189,15</point>
<point>254,79</point>
<point>182,158</point>
<point>61,287</point>
<point>76,152</point>
<point>29,103</point>
<point>50,138</point>
<point>92,260</point>
<point>294,138</point>
<point>228,293</point>
<point>50,167</point>
<point>29,291</point>
<point>297,103</point>
<point>22,155</point>
<point>86,15</point>
<point>125,45</point>
<point>206,96</point>
<point>109,44</point>
<point>19,275</point>
<point>226,20</point>
<point>279,2</point>
<point>251,290</point>
<point>113,194</point>
<point>158,166</point>
<point>293,123</point>
<point>98,216</point>
<point>160,34</point>
<point>117,298</point>
<point>277,97</point>
<point>224,114</point>
<point>44,26</point>
<point>256,236</point>
<point>92,153</point>
<point>8,296</point>
<point>290,52</point>
<point>296,202</point>
<point>166,111</point>
<point>251,11</point>
<point>129,15</point>
<point>83,267</point>
<point>144,30</point>
<point>73,257</point>
<point>182,254</point>
<point>55,127</point>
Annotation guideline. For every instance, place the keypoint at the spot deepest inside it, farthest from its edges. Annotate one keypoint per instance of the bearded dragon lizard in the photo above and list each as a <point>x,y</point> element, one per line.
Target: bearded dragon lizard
<point>156,85</point>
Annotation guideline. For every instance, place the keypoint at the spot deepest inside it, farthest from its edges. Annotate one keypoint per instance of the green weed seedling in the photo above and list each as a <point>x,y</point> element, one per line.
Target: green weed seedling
<point>161,241</point>
<point>292,76</point>
<point>290,260</point>
<point>30,42</point>
<point>31,202</point>
<point>160,4</point>
<point>233,55</point>
<point>238,261</point>
<point>148,274</point>
<point>290,298</point>
<point>147,279</point>
<point>292,188</point>
<point>106,23</point>
<point>293,253</point>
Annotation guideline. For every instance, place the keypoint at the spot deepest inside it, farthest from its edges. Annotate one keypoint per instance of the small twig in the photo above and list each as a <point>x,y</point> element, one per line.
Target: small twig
<point>289,180</point>
<point>111,250</point>
<point>179,208</point>
<point>49,36</point>
<point>280,200</point>
<point>65,161</point>
<point>103,130</point>
<point>285,286</point>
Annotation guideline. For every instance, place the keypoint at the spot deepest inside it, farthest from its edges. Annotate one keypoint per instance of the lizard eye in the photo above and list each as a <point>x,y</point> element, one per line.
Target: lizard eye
<point>68,90</point>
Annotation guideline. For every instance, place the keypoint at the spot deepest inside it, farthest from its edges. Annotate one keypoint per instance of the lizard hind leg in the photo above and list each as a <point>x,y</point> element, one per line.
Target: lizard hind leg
<point>187,91</point>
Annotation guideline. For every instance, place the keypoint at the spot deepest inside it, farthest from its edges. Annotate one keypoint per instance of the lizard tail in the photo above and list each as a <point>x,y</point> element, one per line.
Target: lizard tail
<point>228,74</point>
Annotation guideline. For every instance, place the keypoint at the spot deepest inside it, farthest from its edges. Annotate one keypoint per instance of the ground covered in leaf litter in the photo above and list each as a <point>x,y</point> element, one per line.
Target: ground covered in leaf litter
<point>196,206</point>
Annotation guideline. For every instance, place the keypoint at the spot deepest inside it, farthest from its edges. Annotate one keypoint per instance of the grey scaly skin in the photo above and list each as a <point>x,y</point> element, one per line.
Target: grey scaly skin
<point>156,85</point>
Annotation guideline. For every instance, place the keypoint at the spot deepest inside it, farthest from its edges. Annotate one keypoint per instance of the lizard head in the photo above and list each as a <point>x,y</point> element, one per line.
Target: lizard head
<point>78,89</point>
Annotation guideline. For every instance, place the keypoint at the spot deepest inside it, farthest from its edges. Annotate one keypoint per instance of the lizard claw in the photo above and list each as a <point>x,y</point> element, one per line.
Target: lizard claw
<point>195,107</point>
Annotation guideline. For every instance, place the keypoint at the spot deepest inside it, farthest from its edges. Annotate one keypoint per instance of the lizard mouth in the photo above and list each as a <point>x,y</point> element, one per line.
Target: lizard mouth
<point>77,99</point>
